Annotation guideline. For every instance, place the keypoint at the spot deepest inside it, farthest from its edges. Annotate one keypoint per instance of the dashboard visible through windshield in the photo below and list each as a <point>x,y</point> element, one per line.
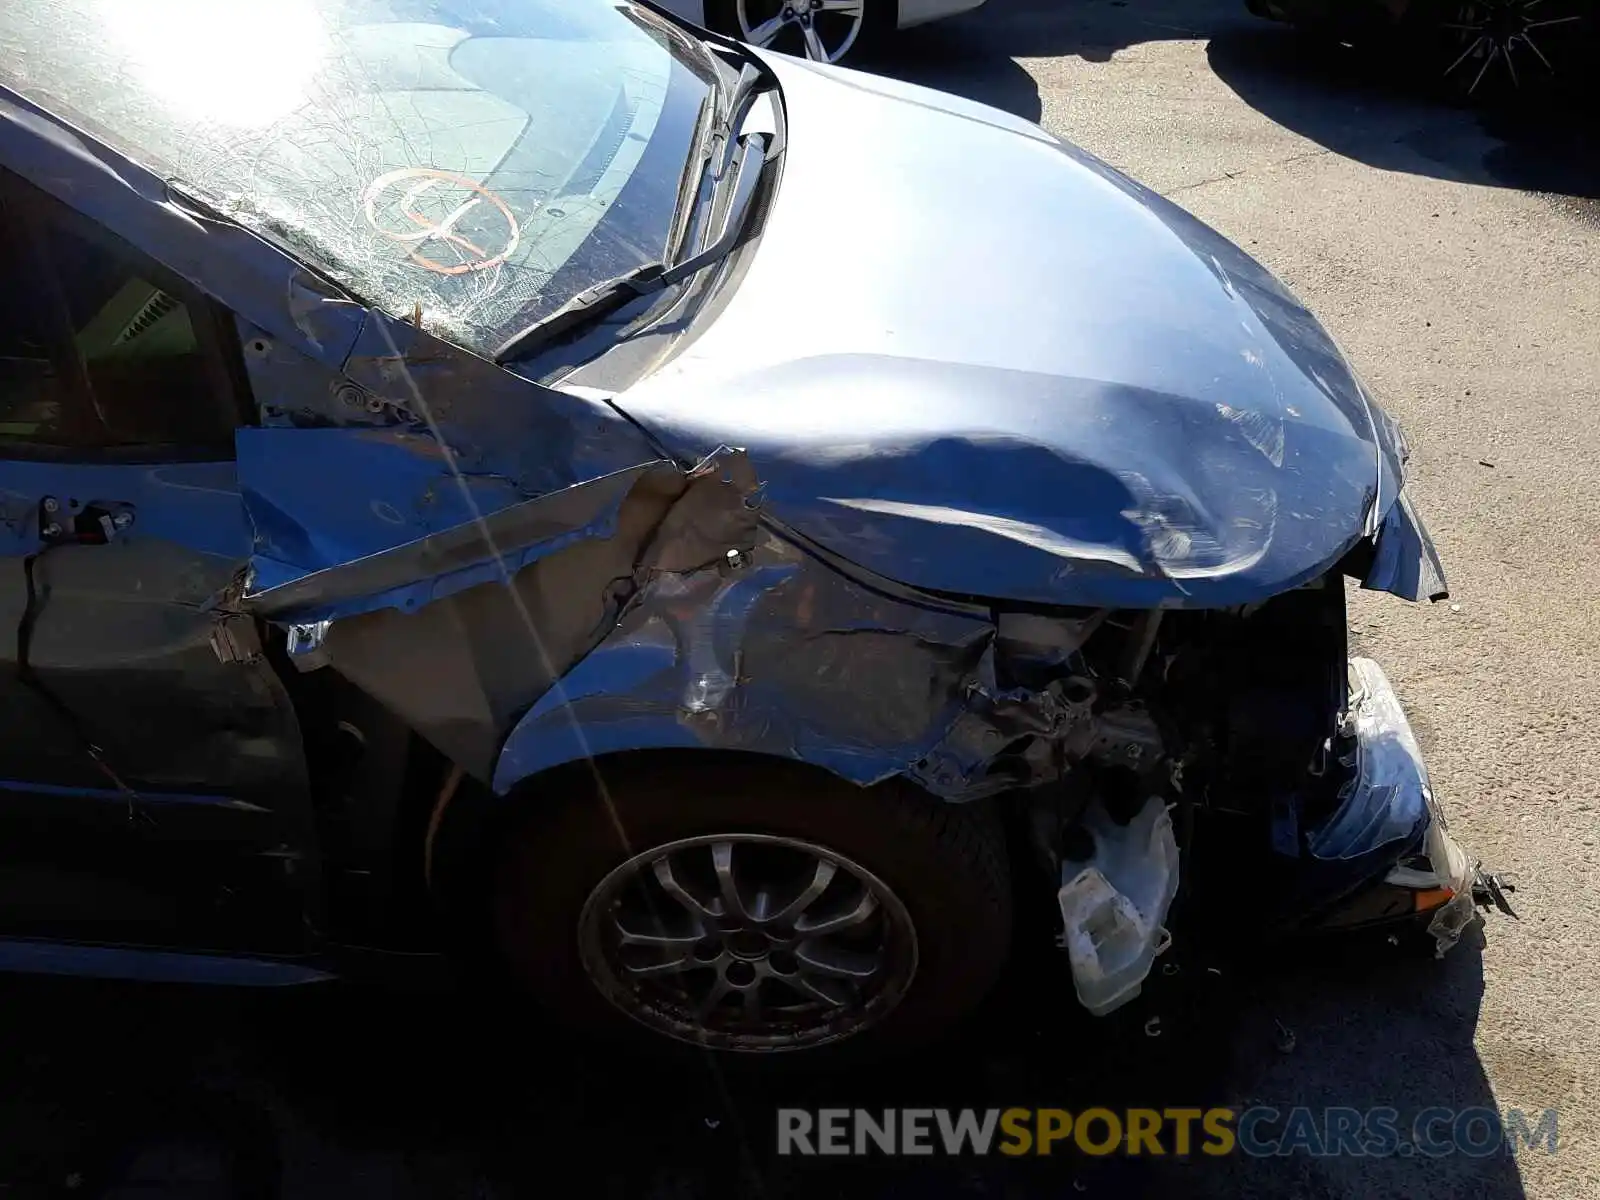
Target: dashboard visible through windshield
<point>482,161</point>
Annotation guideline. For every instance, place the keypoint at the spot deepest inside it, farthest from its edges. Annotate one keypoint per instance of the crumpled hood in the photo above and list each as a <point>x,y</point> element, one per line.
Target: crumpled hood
<point>976,360</point>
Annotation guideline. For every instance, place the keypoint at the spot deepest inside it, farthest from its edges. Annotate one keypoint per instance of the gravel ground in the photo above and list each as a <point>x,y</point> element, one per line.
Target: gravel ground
<point>1454,259</point>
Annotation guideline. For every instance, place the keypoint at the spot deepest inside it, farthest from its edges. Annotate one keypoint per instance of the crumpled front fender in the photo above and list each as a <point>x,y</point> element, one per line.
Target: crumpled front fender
<point>777,653</point>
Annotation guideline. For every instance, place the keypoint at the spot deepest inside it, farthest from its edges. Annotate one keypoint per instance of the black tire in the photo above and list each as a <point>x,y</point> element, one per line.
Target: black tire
<point>945,863</point>
<point>880,17</point>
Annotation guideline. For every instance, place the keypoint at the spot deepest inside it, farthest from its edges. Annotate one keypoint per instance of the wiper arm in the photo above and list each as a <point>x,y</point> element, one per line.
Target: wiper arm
<point>602,299</point>
<point>741,96</point>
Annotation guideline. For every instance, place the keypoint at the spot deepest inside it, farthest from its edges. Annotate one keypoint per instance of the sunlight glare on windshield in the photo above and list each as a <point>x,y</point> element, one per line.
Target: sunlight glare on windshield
<point>232,64</point>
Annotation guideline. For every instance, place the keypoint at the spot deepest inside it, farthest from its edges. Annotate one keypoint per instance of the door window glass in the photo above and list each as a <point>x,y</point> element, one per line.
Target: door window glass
<point>147,374</point>
<point>34,401</point>
<point>98,349</point>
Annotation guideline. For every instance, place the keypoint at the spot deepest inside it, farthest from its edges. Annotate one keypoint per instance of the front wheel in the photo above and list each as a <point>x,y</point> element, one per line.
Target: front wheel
<point>822,30</point>
<point>753,910</point>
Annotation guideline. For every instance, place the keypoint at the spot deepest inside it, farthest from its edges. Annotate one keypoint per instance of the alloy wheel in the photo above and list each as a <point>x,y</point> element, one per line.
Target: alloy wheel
<point>748,942</point>
<point>1510,37</point>
<point>822,30</point>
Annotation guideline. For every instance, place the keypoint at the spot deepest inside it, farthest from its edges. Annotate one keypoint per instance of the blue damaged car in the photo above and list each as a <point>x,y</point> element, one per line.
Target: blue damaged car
<point>707,532</point>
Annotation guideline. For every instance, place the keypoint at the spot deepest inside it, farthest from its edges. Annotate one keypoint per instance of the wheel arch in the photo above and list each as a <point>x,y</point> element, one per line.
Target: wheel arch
<point>472,822</point>
<point>635,765</point>
<point>553,734</point>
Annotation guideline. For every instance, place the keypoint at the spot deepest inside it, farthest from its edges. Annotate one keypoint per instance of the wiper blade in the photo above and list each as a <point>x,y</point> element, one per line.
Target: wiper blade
<point>591,304</point>
<point>594,303</point>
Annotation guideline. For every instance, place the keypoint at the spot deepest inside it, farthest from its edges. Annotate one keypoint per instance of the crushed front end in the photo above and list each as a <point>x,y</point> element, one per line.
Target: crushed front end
<point>1180,773</point>
<point>1227,775</point>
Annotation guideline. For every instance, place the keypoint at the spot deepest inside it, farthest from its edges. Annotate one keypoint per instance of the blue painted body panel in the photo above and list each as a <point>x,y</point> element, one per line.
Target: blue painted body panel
<point>396,488</point>
<point>112,796</point>
<point>484,543</point>
<point>193,504</point>
<point>154,966</point>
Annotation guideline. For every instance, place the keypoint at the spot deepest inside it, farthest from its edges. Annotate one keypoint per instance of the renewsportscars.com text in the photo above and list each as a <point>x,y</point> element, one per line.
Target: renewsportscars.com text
<point>1261,1131</point>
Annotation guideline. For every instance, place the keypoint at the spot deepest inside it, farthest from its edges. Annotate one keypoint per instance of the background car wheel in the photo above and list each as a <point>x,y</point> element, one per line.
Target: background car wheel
<point>1495,51</point>
<point>747,908</point>
<point>823,30</point>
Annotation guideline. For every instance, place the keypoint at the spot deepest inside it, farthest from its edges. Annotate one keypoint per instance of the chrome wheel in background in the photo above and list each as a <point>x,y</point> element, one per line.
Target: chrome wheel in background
<point>748,942</point>
<point>822,30</point>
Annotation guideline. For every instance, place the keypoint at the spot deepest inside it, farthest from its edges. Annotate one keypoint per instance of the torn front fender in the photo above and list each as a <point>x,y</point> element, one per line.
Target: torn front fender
<point>458,632</point>
<point>776,652</point>
<point>770,653</point>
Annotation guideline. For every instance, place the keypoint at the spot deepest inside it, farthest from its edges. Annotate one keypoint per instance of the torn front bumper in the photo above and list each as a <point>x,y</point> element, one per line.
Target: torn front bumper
<point>1388,804</point>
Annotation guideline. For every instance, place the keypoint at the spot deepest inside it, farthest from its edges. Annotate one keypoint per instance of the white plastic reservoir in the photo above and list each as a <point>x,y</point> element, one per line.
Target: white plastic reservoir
<point>1113,906</point>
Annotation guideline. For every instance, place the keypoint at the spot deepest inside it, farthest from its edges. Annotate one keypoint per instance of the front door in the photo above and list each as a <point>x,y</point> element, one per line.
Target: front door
<point>152,782</point>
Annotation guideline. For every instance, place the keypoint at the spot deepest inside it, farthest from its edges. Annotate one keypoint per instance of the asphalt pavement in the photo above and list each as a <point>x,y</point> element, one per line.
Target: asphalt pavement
<point>1454,257</point>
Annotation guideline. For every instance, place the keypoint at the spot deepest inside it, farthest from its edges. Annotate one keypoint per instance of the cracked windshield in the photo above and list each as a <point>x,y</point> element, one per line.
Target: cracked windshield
<point>482,161</point>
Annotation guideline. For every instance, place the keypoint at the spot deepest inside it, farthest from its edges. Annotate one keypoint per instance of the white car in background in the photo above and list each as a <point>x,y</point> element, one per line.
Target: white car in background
<point>824,30</point>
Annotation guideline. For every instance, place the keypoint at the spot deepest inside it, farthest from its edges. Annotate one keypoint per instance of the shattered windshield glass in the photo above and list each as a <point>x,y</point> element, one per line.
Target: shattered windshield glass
<point>483,160</point>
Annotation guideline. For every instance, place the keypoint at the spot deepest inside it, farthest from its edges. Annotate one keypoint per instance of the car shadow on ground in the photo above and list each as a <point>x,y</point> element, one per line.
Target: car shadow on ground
<point>1365,105</point>
<point>115,1091</point>
<point>974,54</point>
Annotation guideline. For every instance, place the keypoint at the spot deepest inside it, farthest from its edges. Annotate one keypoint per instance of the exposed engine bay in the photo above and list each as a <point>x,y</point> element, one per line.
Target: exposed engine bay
<point>1209,746</point>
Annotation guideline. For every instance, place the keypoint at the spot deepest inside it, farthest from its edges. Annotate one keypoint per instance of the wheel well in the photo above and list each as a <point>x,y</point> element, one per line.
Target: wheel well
<point>374,783</point>
<point>476,821</point>
<point>476,814</point>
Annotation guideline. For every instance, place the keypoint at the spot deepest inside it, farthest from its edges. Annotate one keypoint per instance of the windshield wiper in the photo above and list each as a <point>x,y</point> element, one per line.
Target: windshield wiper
<point>594,303</point>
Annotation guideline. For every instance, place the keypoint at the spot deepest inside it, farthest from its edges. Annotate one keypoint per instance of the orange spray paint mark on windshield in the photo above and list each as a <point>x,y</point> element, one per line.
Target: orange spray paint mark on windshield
<point>448,199</point>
